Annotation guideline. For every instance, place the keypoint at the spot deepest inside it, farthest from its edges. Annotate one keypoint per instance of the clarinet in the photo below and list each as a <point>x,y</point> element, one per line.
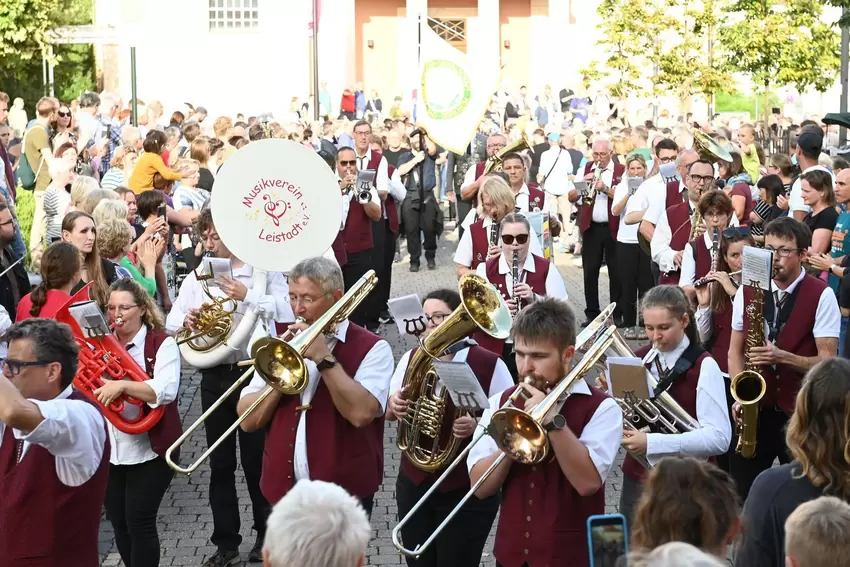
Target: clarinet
<point>494,233</point>
<point>515,276</point>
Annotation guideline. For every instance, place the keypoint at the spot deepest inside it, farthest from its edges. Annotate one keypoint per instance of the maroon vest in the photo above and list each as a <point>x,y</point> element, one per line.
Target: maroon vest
<point>337,451</point>
<point>483,364</point>
<point>543,519</point>
<point>721,337</point>
<point>684,391</point>
<point>43,522</point>
<point>674,193</point>
<point>480,242</point>
<point>586,211</point>
<point>795,336</point>
<point>743,190</point>
<point>357,233</point>
<point>536,197</point>
<point>679,219</point>
<point>537,281</point>
<point>389,205</point>
<point>169,428</point>
<point>338,246</point>
<point>702,257</point>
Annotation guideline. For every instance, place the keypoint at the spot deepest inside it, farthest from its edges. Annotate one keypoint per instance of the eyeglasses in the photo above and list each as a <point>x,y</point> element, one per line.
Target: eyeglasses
<point>601,154</point>
<point>64,114</point>
<point>363,133</point>
<point>13,222</point>
<point>15,366</point>
<point>782,252</point>
<point>520,238</point>
<point>437,318</point>
<point>348,163</point>
<point>716,215</point>
<point>121,308</point>
<point>666,159</point>
<point>702,178</point>
<point>495,146</point>
<point>306,300</point>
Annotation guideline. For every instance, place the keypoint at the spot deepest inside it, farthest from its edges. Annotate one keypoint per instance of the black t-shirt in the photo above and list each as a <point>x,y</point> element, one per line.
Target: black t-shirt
<point>824,219</point>
<point>566,96</point>
<point>576,156</point>
<point>205,179</point>
<point>392,156</point>
<point>536,153</point>
<point>775,494</point>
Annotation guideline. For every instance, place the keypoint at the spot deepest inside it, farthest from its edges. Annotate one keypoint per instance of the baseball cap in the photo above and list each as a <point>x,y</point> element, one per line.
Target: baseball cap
<point>810,142</point>
<point>554,136</point>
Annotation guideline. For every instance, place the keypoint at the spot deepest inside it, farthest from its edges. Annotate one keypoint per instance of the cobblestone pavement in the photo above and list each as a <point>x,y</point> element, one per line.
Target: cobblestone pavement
<point>185,518</point>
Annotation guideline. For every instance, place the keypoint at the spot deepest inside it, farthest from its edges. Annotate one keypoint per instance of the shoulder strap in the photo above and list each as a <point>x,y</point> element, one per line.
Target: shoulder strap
<point>685,362</point>
<point>545,177</point>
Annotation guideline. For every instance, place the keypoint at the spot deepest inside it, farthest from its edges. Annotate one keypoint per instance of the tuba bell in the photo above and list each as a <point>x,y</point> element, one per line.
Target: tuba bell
<point>482,307</point>
<point>494,163</point>
<point>707,147</point>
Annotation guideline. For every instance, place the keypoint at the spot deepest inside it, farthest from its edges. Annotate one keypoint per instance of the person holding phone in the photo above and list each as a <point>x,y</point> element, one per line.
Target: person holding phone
<point>463,545</point>
<point>634,261</point>
<point>545,507</point>
<point>682,368</point>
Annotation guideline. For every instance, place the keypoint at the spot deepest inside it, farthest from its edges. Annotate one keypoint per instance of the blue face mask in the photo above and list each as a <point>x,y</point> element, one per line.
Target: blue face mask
<point>794,159</point>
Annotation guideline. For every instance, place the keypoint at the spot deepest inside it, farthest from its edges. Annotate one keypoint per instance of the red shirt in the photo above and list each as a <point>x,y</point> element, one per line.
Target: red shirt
<point>347,102</point>
<point>55,300</point>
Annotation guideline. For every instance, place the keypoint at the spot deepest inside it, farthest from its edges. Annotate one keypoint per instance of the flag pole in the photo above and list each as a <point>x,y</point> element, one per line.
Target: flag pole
<point>316,60</point>
<point>423,144</point>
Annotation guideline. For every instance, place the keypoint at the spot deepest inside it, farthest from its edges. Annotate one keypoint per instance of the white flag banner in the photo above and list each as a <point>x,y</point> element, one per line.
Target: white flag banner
<point>453,92</point>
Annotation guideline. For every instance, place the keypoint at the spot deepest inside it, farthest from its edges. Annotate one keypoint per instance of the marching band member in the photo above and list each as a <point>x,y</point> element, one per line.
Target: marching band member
<point>334,430</point>
<point>715,209</point>
<point>659,194</point>
<point>544,508</point>
<point>528,196</point>
<point>54,452</point>
<point>478,244</point>
<point>461,546</point>
<point>674,227</point>
<point>691,377</point>
<point>474,180</point>
<point>358,221</point>
<point>598,226</point>
<point>214,382</point>
<point>538,278</point>
<point>802,325</point>
<point>138,473</point>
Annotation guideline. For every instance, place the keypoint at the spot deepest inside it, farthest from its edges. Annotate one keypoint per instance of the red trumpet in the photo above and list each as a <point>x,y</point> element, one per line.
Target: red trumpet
<point>102,358</point>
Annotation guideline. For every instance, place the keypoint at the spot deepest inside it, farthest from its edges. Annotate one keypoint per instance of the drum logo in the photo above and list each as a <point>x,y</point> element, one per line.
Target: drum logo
<point>446,89</point>
<point>279,207</point>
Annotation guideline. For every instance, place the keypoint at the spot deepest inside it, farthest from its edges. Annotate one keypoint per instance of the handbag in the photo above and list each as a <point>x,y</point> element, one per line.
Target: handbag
<point>26,175</point>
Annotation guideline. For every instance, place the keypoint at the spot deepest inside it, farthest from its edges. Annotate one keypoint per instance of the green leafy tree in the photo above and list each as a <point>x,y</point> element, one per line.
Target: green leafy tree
<point>780,44</point>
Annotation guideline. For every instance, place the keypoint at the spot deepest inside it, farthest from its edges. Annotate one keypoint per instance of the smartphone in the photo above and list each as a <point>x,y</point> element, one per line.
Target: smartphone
<point>608,540</point>
<point>161,211</point>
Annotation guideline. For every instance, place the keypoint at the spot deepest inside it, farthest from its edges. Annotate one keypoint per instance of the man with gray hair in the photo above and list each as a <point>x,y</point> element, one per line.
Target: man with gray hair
<point>333,430</point>
<point>54,451</point>
<point>109,130</point>
<point>317,524</point>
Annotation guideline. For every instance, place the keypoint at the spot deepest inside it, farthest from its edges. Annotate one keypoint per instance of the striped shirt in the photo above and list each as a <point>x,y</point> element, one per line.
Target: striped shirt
<point>113,179</point>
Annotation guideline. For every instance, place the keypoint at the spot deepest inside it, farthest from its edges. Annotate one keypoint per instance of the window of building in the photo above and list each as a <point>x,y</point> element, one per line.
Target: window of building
<point>452,31</point>
<point>234,15</point>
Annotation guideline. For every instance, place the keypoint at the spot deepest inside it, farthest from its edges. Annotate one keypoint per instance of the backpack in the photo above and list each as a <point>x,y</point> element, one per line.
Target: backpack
<point>26,175</point>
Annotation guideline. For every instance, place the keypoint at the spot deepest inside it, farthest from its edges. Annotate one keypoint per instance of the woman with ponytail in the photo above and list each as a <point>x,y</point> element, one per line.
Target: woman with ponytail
<point>682,368</point>
<point>60,272</point>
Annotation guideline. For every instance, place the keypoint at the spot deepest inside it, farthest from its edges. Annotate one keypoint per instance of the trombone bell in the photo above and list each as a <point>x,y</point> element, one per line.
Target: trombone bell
<point>519,435</point>
<point>280,365</point>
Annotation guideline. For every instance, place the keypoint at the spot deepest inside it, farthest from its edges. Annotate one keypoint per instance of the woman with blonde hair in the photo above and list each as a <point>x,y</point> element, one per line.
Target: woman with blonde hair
<point>94,197</point>
<point>199,150</point>
<point>120,168</point>
<point>80,190</point>
<point>78,228</point>
<point>110,209</point>
<point>481,240</point>
<point>818,438</point>
<point>114,239</point>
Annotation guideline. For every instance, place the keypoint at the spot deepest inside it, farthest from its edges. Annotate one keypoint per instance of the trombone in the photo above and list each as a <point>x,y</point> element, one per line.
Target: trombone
<point>519,434</point>
<point>280,364</point>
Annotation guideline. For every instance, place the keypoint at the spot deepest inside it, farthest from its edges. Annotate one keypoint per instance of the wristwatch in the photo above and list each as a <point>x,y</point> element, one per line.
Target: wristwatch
<point>558,423</point>
<point>327,363</point>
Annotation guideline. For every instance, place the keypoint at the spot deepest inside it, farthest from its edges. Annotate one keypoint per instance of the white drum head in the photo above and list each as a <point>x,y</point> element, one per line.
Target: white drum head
<point>275,203</point>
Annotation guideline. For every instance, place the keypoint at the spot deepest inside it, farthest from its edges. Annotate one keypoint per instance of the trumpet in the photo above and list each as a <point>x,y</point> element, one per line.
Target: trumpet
<point>280,364</point>
<point>518,433</point>
<point>590,197</point>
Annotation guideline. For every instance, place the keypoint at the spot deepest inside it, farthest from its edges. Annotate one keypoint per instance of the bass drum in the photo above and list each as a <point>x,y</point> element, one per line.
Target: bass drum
<point>274,203</point>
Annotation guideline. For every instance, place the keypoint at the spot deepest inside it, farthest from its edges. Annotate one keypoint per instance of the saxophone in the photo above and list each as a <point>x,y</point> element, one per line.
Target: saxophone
<point>515,276</point>
<point>748,387</point>
<point>696,221</point>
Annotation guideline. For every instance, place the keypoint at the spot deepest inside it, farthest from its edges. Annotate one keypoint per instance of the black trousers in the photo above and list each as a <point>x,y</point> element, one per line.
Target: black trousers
<point>384,257</point>
<point>224,500</point>
<point>509,358</point>
<point>629,496</point>
<point>463,540</point>
<point>358,264</point>
<point>770,445</point>
<point>597,244</point>
<point>636,279</point>
<point>133,496</point>
<point>380,236</point>
<point>420,226</point>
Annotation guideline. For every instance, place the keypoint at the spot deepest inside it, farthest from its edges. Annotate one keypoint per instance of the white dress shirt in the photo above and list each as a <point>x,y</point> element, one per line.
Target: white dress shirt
<point>499,382</point>
<point>627,233</point>
<point>554,282</point>
<point>600,205</point>
<point>657,200</point>
<point>556,166</point>
<point>469,177</point>
<point>689,267</point>
<point>521,203</point>
<point>396,186</point>
<point>601,436</point>
<point>72,431</point>
<point>135,449</point>
<point>463,253</point>
<point>715,431</point>
<point>5,323</point>
<point>273,301</point>
<point>662,254</point>
<point>827,315</point>
<point>640,201</point>
<point>374,374</point>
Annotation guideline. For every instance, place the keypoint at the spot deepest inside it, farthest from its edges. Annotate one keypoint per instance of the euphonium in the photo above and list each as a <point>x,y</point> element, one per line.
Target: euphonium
<point>101,359</point>
<point>215,321</point>
<point>418,437</point>
<point>494,163</point>
<point>748,387</point>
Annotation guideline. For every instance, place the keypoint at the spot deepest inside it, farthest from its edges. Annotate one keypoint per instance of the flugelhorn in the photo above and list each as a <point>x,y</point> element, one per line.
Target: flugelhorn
<point>280,364</point>
<point>518,433</point>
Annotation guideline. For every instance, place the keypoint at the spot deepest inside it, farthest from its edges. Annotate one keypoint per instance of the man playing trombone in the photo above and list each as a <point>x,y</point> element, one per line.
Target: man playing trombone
<point>545,507</point>
<point>334,430</point>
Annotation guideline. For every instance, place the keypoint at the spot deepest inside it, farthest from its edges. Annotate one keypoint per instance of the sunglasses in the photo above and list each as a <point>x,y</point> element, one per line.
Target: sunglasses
<point>736,232</point>
<point>509,238</point>
<point>348,163</point>
<point>64,114</point>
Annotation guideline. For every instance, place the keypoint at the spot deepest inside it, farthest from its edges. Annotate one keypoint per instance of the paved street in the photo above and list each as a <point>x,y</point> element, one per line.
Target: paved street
<point>185,521</point>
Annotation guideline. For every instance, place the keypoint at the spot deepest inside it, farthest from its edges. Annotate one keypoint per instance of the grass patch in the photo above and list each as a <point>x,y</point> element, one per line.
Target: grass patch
<point>25,206</point>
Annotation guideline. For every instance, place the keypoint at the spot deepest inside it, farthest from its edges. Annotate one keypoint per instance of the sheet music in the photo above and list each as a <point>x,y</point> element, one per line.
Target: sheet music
<point>668,172</point>
<point>216,267</point>
<point>628,374</point>
<point>581,187</point>
<point>757,267</point>
<point>90,319</point>
<point>365,179</point>
<point>463,386</point>
<point>634,183</point>
<point>408,314</point>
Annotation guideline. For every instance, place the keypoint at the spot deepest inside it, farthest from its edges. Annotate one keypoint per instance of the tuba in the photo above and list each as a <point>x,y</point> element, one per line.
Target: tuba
<point>494,163</point>
<point>707,147</point>
<point>748,386</point>
<point>103,358</point>
<point>482,307</point>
